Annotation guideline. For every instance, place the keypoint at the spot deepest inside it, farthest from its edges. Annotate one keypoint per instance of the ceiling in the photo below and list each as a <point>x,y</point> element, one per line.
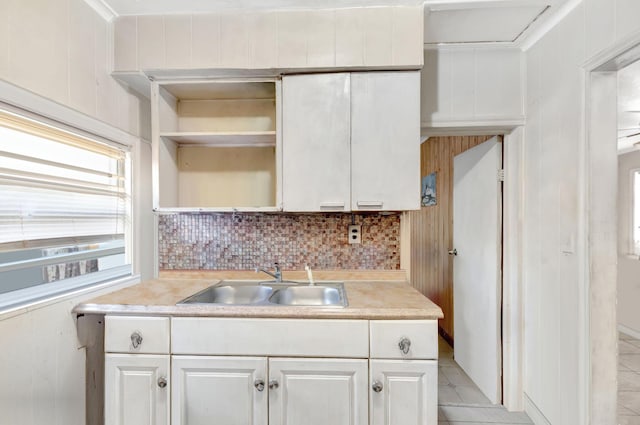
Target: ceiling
<point>629,107</point>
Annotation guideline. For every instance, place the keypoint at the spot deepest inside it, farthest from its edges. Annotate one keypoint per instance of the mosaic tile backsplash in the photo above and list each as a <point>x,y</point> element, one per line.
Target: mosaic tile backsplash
<point>246,241</point>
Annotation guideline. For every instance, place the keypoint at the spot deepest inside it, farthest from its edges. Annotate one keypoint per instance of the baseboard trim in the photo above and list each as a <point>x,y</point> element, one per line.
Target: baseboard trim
<point>534,413</point>
<point>628,331</point>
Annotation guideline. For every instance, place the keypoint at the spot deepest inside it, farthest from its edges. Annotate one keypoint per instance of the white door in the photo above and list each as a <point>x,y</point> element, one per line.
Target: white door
<point>318,392</point>
<point>136,389</point>
<point>477,230</point>
<point>219,390</point>
<point>385,140</point>
<point>404,392</point>
<point>315,142</point>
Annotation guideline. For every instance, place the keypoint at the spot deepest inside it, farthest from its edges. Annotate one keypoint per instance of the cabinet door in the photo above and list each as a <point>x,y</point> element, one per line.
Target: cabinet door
<point>318,392</point>
<point>136,389</point>
<point>220,390</point>
<point>385,140</point>
<point>404,392</point>
<point>315,142</point>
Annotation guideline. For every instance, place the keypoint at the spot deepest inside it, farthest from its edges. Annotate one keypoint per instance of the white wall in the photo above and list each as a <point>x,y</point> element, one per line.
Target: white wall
<point>628,268</point>
<point>552,256</point>
<point>62,50</point>
<point>42,365</point>
<point>465,86</point>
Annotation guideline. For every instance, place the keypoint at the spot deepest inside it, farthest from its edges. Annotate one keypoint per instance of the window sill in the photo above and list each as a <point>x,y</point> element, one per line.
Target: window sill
<point>9,310</point>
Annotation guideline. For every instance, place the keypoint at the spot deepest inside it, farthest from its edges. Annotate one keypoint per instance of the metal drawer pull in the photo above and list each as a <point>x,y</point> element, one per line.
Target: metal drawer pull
<point>376,386</point>
<point>162,382</point>
<point>453,252</point>
<point>332,205</point>
<point>136,339</point>
<point>404,345</point>
<point>273,384</point>
<point>370,204</point>
<point>259,384</point>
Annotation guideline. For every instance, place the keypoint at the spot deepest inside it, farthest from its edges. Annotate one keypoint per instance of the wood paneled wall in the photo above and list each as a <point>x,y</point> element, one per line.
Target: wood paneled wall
<point>430,266</point>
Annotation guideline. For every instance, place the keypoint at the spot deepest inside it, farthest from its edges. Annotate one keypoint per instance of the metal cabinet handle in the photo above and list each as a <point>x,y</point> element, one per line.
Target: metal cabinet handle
<point>453,252</point>
<point>404,345</point>
<point>376,386</point>
<point>273,384</point>
<point>162,382</point>
<point>136,339</point>
<point>259,384</point>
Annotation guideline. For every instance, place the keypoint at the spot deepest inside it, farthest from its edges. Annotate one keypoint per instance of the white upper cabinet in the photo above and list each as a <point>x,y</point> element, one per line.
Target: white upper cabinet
<point>351,141</point>
<point>316,136</point>
<point>385,140</point>
<point>215,145</point>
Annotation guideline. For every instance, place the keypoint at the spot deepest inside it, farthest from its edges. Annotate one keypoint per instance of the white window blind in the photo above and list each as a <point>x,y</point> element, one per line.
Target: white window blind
<point>64,206</point>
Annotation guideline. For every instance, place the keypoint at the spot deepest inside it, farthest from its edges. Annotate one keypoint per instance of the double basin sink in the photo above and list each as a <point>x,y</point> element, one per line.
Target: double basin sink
<point>271,293</point>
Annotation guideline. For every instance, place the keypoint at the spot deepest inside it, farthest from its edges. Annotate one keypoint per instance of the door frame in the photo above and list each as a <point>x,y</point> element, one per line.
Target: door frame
<point>512,288</point>
<point>599,238</point>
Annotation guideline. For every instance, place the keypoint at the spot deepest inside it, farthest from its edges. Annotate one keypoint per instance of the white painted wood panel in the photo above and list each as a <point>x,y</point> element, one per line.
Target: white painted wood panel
<point>316,142</point>
<point>177,32</point>
<point>386,336</point>
<point>234,41</point>
<point>132,393</point>
<point>385,140</point>
<point>151,42</point>
<point>125,47</point>
<point>208,390</point>
<point>205,41</point>
<point>119,331</point>
<point>292,38</point>
<point>384,36</point>
<point>349,38</point>
<point>273,337</point>
<point>409,392</point>
<point>464,87</point>
<point>82,37</point>
<point>263,39</point>
<point>377,27</point>
<point>318,392</point>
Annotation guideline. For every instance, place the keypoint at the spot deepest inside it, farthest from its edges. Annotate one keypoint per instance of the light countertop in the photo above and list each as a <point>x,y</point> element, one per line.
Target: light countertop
<point>371,295</point>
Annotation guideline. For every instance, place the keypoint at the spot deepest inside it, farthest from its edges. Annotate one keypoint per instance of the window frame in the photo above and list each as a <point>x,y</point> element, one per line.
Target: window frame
<point>46,293</point>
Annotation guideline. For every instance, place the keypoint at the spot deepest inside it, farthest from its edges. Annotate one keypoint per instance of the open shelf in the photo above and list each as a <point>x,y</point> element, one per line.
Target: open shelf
<point>247,138</point>
<point>216,145</point>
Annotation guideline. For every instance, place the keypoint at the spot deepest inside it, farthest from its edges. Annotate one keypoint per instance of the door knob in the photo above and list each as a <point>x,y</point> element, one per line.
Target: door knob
<point>273,384</point>
<point>162,382</point>
<point>259,384</point>
<point>453,252</point>
<point>376,386</point>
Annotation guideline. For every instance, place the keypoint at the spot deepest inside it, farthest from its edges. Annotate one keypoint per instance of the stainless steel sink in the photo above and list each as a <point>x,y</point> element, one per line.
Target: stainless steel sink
<point>271,293</point>
<point>231,294</point>
<point>309,295</point>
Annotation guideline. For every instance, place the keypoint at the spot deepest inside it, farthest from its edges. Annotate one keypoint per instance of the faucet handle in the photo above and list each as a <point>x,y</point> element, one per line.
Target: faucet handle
<point>276,265</point>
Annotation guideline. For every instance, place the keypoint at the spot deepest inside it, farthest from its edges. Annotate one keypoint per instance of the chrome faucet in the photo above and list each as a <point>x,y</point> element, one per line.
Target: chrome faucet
<point>277,274</point>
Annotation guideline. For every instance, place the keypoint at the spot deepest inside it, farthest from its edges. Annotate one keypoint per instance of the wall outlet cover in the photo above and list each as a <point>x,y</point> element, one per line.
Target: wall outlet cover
<point>355,233</point>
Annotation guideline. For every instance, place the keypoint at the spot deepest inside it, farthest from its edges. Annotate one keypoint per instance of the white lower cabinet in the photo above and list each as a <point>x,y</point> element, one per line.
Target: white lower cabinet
<point>136,389</point>
<point>270,371</point>
<point>318,392</point>
<point>403,392</point>
<point>221,390</point>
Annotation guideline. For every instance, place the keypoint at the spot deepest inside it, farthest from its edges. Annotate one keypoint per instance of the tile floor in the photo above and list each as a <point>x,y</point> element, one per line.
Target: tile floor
<point>460,402</point>
<point>628,380</point>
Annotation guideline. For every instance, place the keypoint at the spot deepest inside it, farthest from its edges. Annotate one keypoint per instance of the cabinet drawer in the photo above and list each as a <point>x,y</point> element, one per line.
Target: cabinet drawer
<point>270,337</point>
<point>404,339</point>
<point>126,334</point>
